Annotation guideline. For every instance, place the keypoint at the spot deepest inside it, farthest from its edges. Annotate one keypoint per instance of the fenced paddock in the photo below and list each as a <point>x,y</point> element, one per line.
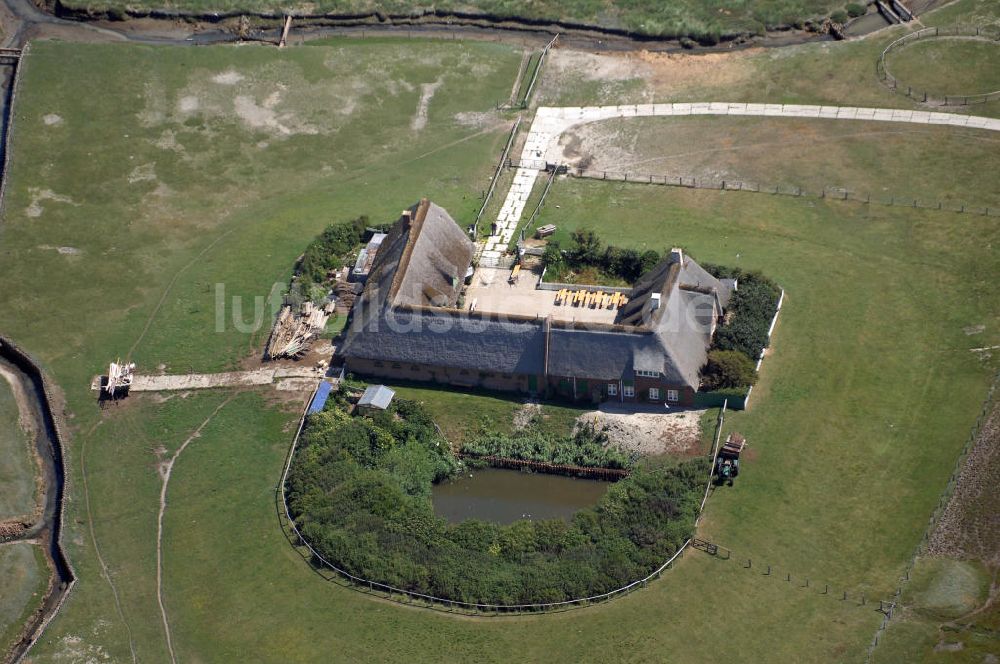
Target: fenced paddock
<point>929,96</point>
<point>331,572</point>
<point>827,192</point>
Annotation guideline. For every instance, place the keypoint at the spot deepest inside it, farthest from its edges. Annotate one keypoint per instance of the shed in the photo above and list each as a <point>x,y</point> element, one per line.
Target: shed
<point>376,397</point>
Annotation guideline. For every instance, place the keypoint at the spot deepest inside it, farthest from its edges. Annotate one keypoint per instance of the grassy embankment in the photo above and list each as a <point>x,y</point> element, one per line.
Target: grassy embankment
<point>17,468</point>
<point>25,576</point>
<point>676,18</point>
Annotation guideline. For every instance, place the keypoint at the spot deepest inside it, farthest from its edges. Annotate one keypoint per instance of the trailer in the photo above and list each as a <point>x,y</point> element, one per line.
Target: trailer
<point>727,461</point>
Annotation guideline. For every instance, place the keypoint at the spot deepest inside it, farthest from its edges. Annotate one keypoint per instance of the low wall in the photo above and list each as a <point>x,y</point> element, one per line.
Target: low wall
<point>545,286</point>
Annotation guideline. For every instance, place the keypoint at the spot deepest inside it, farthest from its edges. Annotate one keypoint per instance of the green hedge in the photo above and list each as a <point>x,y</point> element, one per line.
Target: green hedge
<point>586,448</point>
<point>359,491</point>
<point>750,311</point>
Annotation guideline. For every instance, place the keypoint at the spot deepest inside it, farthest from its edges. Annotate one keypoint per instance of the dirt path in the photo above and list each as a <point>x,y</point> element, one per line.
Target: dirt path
<point>93,540</point>
<point>165,471</point>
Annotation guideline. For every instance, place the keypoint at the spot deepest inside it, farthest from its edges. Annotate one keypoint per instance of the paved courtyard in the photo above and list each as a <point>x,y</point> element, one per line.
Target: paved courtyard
<point>491,291</point>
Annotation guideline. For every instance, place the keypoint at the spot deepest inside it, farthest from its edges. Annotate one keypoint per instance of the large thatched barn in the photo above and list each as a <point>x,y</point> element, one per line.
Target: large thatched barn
<point>409,324</point>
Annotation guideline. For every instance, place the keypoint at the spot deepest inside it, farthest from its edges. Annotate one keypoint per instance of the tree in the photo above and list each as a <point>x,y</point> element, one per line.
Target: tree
<point>728,368</point>
<point>650,258</point>
<point>553,256</point>
<point>586,247</point>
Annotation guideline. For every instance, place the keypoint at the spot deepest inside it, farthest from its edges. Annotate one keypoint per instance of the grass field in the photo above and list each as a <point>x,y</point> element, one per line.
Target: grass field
<point>17,468</point>
<point>462,415</point>
<point>199,177</point>
<point>836,73</point>
<point>955,167</point>
<point>648,17</point>
<point>952,66</point>
<point>23,577</point>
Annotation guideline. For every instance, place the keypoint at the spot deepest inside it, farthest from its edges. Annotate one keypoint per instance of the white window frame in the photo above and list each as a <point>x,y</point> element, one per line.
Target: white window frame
<point>654,394</point>
<point>673,395</point>
<point>612,389</point>
<point>628,391</point>
<point>647,374</point>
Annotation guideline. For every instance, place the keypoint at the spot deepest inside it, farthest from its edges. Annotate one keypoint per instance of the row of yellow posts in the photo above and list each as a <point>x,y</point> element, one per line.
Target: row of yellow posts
<point>591,299</point>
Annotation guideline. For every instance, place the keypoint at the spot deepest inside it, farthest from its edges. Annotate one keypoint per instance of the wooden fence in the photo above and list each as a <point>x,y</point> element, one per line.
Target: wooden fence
<point>925,96</point>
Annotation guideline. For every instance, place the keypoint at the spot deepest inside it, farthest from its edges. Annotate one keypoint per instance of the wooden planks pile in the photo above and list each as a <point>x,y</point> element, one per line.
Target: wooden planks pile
<point>294,332</point>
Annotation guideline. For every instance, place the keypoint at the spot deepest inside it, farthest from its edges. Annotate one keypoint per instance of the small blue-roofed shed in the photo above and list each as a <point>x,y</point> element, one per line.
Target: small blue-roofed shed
<point>322,394</point>
<point>376,397</point>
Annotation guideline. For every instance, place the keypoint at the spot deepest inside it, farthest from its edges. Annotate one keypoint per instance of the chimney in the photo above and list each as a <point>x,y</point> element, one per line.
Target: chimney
<point>677,256</point>
<point>654,302</point>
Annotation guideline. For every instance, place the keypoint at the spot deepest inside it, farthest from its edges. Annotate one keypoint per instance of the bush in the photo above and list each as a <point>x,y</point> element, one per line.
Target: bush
<point>855,9</point>
<point>750,310</point>
<point>839,16</point>
<point>329,249</point>
<point>587,448</point>
<point>728,369</point>
<point>358,490</point>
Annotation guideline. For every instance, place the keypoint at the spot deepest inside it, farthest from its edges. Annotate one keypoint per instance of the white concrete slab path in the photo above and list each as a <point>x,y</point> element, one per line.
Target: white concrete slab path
<point>550,122</point>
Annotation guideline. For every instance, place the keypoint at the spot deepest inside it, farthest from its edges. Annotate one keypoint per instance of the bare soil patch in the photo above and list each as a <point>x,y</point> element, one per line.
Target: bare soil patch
<point>649,433</point>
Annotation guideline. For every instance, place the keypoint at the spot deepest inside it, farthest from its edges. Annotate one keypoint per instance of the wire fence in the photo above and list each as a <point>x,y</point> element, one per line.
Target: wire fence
<point>925,96</point>
<point>827,192</point>
<point>942,504</point>
<point>404,596</point>
<point>504,158</point>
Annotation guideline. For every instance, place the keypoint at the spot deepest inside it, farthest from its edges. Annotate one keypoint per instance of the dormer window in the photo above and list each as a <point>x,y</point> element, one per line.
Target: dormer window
<point>647,374</point>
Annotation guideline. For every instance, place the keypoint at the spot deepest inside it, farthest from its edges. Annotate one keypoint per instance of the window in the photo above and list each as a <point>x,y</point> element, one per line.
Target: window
<point>396,365</point>
<point>672,395</point>
<point>377,363</point>
<point>612,389</point>
<point>654,394</point>
<point>647,374</point>
<point>628,391</point>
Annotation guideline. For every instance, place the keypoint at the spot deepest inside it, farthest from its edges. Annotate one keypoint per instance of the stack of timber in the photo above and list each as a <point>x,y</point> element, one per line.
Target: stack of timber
<point>294,331</point>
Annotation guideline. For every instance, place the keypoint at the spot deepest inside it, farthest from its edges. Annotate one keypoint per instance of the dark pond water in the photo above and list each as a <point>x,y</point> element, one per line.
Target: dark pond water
<point>504,496</point>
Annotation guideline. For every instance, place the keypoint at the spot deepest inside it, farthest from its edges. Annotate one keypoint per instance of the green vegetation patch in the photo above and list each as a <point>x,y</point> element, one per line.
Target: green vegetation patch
<point>706,22</point>
<point>17,468</point>
<point>359,491</point>
<point>23,577</point>
<point>587,448</point>
<point>588,261</point>
<point>947,65</point>
<point>947,588</point>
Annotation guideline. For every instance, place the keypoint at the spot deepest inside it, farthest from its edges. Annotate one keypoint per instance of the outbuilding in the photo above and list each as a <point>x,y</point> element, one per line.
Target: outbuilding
<point>376,397</point>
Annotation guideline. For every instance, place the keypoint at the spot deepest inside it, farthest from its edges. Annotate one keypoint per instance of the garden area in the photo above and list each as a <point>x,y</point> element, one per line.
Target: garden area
<point>359,491</point>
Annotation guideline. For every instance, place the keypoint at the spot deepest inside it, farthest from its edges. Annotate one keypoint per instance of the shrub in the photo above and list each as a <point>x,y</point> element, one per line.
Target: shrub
<point>855,9</point>
<point>358,490</point>
<point>728,369</point>
<point>750,311</point>
<point>839,16</point>
<point>329,249</point>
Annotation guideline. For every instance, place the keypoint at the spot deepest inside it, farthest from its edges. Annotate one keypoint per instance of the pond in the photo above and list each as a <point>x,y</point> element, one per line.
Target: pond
<point>504,496</point>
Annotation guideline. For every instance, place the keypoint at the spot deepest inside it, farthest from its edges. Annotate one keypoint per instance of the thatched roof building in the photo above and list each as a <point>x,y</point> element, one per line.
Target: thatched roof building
<point>407,324</point>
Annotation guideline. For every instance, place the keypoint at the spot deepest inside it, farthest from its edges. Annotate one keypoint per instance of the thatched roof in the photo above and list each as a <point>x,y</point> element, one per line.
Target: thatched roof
<point>407,315</point>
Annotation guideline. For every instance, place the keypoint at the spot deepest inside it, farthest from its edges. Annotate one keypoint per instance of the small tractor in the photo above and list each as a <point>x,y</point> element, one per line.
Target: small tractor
<point>727,461</point>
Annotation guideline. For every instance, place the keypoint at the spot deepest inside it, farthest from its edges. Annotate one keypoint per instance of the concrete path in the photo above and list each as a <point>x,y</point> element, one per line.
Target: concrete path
<point>542,143</point>
<point>287,377</point>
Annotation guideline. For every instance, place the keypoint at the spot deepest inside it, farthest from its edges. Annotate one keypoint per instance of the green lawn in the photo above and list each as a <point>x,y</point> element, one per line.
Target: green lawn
<point>871,388</point>
<point>23,577</point>
<point>956,167</point>
<point>947,66</point>
<point>17,468</point>
<point>463,414</point>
